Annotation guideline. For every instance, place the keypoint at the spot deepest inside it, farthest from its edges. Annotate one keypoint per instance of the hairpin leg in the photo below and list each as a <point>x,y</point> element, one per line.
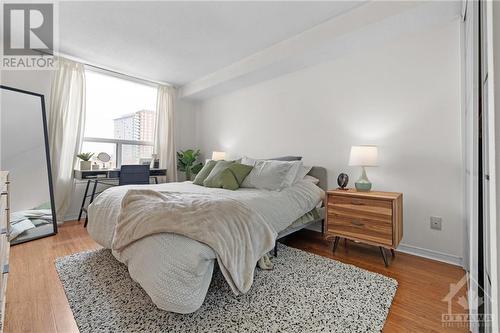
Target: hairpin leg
<point>393,253</point>
<point>382,251</point>
<point>84,199</point>
<point>336,243</point>
<point>276,249</point>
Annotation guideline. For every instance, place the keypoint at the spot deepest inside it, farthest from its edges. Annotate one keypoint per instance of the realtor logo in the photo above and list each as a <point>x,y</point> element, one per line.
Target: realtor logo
<point>28,36</point>
<point>458,298</point>
<point>27,27</point>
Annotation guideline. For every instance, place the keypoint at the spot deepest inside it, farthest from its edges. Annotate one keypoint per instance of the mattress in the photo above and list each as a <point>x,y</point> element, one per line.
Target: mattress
<point>176,271</point>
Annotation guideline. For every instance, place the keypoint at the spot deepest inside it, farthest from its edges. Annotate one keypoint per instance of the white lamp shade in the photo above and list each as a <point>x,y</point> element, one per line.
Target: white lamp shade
<point>218,155</point>
<point>363,156</point>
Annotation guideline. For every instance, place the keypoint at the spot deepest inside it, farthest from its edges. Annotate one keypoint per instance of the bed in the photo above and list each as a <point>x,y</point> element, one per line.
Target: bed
<point>174,270</point>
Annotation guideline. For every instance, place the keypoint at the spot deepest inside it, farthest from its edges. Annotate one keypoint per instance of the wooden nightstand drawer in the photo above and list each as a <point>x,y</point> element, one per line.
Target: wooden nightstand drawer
<point>380,210</point>
<point>360,228</point>
<point>3,212</point>
<point>362,203</point>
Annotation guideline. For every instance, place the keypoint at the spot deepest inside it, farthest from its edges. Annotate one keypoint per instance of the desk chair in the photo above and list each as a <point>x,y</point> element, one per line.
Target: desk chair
<point>134,175</point>
<point>129,175</point>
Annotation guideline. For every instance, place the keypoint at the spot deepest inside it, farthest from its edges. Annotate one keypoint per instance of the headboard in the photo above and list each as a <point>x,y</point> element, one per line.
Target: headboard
<point>320,173</point>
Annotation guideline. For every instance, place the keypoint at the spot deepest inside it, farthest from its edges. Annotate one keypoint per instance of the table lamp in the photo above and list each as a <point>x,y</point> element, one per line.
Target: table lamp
<point>363,156</point>
<point>218,155</point>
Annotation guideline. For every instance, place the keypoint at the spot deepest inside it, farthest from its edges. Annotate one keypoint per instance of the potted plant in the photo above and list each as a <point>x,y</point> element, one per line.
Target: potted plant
<point>187,162</point>
<point>85,163</point>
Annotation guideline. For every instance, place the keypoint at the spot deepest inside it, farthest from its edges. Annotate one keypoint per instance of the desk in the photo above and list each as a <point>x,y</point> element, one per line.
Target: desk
<point>111,174</point>
<point>101,176</point>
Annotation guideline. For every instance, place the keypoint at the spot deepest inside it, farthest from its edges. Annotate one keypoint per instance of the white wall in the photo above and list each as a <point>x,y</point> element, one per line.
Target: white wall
<point>403,96</point>
<point>185,124</point>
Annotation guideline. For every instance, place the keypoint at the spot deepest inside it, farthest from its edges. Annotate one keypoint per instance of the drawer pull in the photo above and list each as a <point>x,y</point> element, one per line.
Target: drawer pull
<point>358,203</point>
<point>3,231</point>
<point>357,223</point>
<point>5,269</point>
<point>4,193</point>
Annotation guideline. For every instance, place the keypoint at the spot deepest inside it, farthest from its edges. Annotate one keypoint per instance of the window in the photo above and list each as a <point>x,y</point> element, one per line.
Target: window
<point>120,119</point>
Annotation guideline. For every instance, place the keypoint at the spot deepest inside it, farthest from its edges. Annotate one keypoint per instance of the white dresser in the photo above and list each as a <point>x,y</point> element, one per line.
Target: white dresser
<point>4,241</point>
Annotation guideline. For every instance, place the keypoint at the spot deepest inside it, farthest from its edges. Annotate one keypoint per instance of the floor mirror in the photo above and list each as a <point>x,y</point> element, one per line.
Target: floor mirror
<point>24,152</point>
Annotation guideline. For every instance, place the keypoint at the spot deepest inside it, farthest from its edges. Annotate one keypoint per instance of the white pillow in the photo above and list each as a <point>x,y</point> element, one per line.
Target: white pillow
<point>303,171</point>
<point>248,161</point>
<point>271,175</point>
<point>311,179</point>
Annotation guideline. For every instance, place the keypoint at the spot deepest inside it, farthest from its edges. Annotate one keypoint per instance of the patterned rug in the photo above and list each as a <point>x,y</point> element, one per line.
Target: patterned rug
<point>304,293</point>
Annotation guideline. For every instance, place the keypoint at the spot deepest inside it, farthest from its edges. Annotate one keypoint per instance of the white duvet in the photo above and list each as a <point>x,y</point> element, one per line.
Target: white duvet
<point>176,271</point>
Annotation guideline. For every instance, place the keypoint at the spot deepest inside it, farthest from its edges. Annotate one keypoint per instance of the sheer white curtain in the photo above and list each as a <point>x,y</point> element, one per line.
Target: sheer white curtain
<point>66,127</point>
<point>164,131</point>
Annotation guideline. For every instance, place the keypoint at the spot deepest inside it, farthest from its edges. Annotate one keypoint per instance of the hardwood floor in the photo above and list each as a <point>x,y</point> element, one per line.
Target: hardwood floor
<point>36,301</point>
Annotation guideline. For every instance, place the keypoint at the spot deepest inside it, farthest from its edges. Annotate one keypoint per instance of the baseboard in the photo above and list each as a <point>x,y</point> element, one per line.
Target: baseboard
<point>431,254</point>
<point>70,218</point>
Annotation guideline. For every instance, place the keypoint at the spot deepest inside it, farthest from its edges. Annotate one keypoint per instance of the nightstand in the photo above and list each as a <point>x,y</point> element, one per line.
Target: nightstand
<point>374,218</point>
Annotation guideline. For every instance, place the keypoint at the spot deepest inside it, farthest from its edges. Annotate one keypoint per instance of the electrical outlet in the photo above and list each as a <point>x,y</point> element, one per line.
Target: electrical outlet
<point>436,222</point>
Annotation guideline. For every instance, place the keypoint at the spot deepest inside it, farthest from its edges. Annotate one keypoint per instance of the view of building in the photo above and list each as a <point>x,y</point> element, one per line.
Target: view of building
<point>137,126</point>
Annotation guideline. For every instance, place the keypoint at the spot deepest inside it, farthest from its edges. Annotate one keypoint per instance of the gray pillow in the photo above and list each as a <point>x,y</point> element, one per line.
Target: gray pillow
<point>286,158</point>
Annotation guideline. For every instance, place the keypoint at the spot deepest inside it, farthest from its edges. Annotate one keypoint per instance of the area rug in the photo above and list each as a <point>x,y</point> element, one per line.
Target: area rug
<point>303,293</point>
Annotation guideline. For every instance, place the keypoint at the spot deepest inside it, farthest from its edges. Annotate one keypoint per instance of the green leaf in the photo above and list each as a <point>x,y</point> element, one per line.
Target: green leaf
<point>85,156</point>
<point>197,168</point>
<point>186,160</point>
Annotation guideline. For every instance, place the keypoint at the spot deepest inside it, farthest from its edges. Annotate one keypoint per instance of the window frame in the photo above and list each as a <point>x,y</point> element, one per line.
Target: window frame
<point>118,145</point>
<point>119,142</point>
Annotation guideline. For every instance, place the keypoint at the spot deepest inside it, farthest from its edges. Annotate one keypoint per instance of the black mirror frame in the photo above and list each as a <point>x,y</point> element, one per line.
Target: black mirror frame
<point>47,158</point>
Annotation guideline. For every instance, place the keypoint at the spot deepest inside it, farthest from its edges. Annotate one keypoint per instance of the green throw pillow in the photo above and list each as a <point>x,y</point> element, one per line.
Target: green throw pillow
<point>227,180</point>
<point>240,171</point>
<point>204,172</point>
<point>216,170</point>
<point>227,175</point>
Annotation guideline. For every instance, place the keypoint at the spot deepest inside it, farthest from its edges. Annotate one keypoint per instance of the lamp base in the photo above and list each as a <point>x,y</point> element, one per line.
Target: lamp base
<point>363,184</point>
<point>363,187</point>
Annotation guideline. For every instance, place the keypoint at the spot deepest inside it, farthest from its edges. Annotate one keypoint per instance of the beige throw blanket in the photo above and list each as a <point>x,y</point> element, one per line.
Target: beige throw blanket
<point>238,235</point>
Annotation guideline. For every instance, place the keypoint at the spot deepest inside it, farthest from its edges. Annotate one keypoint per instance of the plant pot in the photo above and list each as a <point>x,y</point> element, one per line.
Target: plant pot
<point>85,165</point>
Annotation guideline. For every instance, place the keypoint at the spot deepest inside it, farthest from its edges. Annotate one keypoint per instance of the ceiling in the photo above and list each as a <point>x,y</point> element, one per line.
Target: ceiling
<point>178,42</point>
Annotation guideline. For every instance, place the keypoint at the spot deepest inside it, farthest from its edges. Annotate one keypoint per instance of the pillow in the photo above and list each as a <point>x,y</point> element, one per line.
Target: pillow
<point>272,175</point>
<point>204,172</point>
<point>311,179</point>
<point>294,171</point>
<point>226,180</point>
<point>240,171</point>
<point>248,161</point>
<point>218,168</point>
<point>251,161</point>
<point>303,171</point>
